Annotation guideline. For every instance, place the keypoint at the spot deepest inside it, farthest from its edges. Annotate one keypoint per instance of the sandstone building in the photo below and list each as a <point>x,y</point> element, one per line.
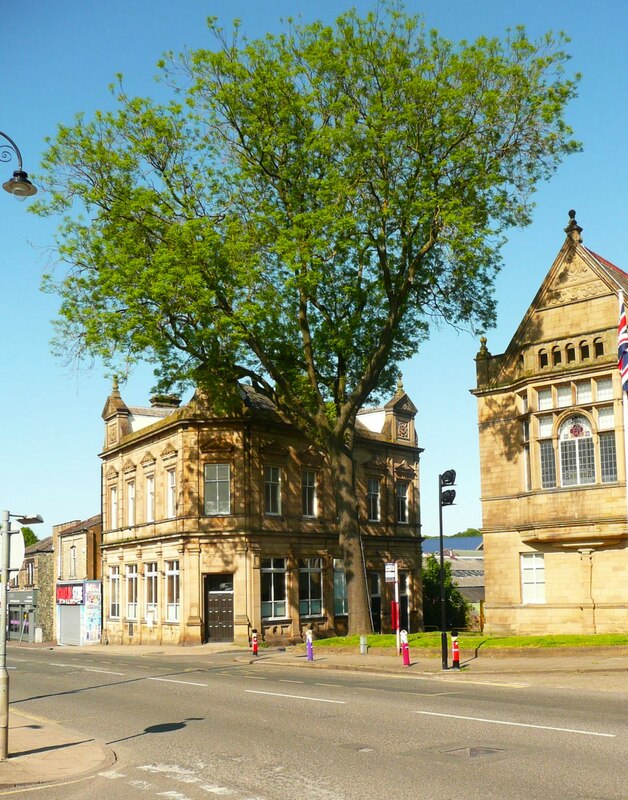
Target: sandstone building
<point>218,525</point>
<point>553,457</point>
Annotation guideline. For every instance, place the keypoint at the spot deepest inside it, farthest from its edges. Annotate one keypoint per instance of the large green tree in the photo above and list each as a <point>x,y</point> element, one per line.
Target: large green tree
<point>300,210</point>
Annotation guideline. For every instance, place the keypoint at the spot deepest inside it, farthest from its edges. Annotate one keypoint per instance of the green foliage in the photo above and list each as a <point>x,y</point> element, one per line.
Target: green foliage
<point>456,609</point>
<point>479,641</point>
<point>29,536</point>
<point>304,207</point>
<point>467,532</point>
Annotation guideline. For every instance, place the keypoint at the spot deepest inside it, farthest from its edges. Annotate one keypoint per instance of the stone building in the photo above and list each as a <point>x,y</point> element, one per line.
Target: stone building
<point>31,602</point>
<point>216,525</point>
<point>78,589</point>
<point>553,456</point>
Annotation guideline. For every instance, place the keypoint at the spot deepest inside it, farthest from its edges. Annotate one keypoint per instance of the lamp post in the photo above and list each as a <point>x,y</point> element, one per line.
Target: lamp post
<point>19,185</point>
<point>446,497</point>
<point>5,556</point>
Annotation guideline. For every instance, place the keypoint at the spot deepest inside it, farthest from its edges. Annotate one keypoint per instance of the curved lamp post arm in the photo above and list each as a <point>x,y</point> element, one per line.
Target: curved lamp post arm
<point>19,185</point>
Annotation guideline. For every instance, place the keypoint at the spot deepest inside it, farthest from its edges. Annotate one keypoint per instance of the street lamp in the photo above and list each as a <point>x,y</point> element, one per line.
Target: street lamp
<point>5,555</point>
<point>446,497</point>
<point>19,185</point>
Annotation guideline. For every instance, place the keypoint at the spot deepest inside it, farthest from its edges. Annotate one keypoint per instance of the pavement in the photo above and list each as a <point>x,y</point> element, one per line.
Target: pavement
<point>41,751</point>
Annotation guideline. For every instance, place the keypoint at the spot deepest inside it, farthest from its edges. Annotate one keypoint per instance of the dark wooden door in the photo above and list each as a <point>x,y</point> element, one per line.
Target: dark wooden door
<point>219,608</point>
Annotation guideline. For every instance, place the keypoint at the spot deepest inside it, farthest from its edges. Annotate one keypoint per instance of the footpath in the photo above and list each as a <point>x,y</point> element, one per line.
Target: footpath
<point>40,751</point>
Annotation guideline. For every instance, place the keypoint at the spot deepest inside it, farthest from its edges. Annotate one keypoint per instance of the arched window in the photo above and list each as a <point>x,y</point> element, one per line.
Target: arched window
<point>543,359</point>
<point>557,356</point>
<point>598,346</point>
<point>577,456</point>
<point>584,351</point>
<point>570,352</point>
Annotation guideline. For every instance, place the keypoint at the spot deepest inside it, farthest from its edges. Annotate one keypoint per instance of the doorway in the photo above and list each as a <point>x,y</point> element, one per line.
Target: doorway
<point>219,608</point>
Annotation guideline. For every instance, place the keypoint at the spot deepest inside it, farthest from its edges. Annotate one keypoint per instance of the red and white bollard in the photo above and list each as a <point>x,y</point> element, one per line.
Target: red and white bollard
<point>405,650</point>
<point>455,651</point>
<point>254,641</point>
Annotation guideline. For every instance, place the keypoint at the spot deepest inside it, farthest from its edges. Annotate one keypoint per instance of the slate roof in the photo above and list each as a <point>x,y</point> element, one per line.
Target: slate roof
<point>43,546</point>
<point>455,543</point>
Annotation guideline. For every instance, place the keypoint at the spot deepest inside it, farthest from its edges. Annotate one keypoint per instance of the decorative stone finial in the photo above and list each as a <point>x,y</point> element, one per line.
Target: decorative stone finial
<point>483,351</point>
<point>115,386</point>
<point>573,230</point>
<point>399,383</point>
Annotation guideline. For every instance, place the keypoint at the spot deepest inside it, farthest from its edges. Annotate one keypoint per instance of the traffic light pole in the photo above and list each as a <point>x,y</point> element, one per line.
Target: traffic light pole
<point>445,498</point>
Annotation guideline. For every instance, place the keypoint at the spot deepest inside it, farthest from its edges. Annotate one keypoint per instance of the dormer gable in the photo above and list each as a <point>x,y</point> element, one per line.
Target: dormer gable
<point>116,416</point>
<point>399,414</point>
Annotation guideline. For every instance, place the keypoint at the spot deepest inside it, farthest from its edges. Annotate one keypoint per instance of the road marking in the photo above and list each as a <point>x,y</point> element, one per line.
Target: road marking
<point>517,724</point>
<point>106,671</point>
<point>337,685</point>
<point>171,680</point>
<point>285,680</point>
<point>297,697</point>
<point>56,664</point>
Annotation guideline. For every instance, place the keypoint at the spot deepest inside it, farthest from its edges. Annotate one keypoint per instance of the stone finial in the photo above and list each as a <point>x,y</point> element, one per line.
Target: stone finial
<point>483,351</point>
<point>399,383</point>
<point>573,230</point>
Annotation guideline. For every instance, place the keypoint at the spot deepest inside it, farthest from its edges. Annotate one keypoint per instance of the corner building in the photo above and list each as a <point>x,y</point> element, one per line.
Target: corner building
<point>553,459</point>
<point>216,525</point>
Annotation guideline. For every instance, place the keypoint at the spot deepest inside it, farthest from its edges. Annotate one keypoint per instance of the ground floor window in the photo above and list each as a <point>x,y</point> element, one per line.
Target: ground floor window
<point>173,591</point>
<point>310,587</point>
<point>340,588</point>
<point>151,577</point>
<point>273,588</point>
<point>114,591</point>
<point>532,578</point>
<point>131,591</point>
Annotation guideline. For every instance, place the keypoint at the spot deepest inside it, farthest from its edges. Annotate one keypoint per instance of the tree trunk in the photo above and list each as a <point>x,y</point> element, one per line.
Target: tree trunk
<point>343,475</point>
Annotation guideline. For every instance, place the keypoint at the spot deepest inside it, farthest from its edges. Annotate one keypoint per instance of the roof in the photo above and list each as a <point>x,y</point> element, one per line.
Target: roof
<point>43,546</point>
<point>458,544</point>
<point>82,525</point>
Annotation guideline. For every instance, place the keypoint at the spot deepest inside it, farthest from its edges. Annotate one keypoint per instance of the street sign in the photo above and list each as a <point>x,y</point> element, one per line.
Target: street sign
<point>390,571</point>
<point>16,551</point>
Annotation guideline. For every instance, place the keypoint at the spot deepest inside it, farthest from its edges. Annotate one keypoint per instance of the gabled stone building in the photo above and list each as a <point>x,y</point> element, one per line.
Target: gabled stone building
<point>553,457</point>
<point>216,525</point>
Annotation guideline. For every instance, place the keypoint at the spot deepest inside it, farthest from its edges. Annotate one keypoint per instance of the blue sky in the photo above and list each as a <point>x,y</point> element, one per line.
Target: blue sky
<point>59,59</point>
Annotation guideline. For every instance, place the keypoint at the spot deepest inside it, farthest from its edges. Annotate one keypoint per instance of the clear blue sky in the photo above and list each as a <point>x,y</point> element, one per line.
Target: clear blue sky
<point>58,58</point>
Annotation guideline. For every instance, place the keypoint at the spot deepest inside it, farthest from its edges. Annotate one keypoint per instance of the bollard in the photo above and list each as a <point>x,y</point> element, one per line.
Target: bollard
<point>405,649</point>
<point>455,651</point>
<point>309,645</point>
<point>363,646</point>
<point>254,641</point>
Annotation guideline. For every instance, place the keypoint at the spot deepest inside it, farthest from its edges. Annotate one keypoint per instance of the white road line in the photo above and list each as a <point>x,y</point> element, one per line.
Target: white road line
<point>297,697</point>
<point>106,671</point>
<point>285,680</point>
<point>171,680</point>
<point>517,724</point>
<point>56,664</point>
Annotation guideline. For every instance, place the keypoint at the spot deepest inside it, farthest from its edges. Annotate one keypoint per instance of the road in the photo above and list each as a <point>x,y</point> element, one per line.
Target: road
<point>207,726</point>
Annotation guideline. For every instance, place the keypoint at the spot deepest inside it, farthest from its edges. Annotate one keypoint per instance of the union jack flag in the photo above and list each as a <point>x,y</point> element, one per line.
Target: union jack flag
<point>622,347</point>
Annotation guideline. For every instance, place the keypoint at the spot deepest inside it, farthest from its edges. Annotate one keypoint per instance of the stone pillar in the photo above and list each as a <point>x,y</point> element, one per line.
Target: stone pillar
<point>190,578</point>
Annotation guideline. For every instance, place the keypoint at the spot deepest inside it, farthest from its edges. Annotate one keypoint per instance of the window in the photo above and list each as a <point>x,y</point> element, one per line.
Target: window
<point>130,503</point>
<point>543,359</point>
<point>532,578</point>
<point>563,395</point>
<point>604,388</point>
<point>173,591</point>
<point>584,351</point>
<point>598,347</point>
<point>401,492</point>
<point>570,352</point>
<point>577,457</point>
<point>217,489</point>
<point>171,493</point>
<point>131,591</point>
<point>150,498</point>
<point>372,499</point>
<point>272,490</point>
<point>114,591</point>
<point>151,577</point>
<point>308,493</point>
<point>113,507</point>
<point>273,588</point>
<point>544,398</point>
<point>310,587</point>
<point>548,464</point>
<point>608,457</point>
<point>73,561</point>
<point>557,356</point>
<point>340,588</point>
<point>30,573</point>
<point>583,392</point>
